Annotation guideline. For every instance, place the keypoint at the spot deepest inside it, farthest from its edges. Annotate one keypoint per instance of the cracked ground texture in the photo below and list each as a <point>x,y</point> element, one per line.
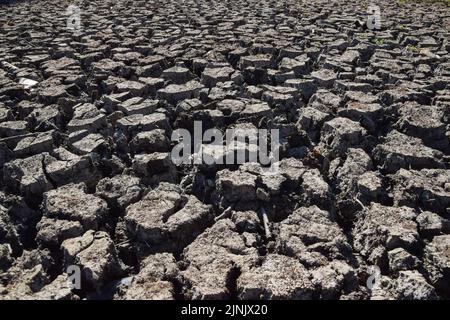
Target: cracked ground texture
<point>85,139</point>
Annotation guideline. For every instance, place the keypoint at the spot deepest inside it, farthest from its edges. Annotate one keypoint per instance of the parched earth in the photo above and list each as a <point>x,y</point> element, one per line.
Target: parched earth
<point>87,179</point>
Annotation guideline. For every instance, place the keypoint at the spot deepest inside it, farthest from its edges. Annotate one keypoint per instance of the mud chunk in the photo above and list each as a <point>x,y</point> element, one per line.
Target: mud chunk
<point>119,191</point>
<point>236,186</point>
<point>58,289</point>
<point>152,85</point>
<point>325,101</point>
<point>9,235</point>
<point>256,61</point>
<point>311,121</point>
<point>409,285</point>
<point>151,70</point>
<point>255,111</point>
<point>427,188</point>
<point>431,224</point>
<point>84,111</point>
<point>150,141</point>
<point>350,57</point>
<point>51,94</point>
<point>278,277</point>
<point>231,107</point>
<point>214,260</point>
<point>139,106</point>
<point>177,74</point>
<point>312,236</point>
<point>344,85</point>
<point>292,170</point>
<point>95,254</point>
<point>246,221</point>
<point>402,94</point>
<point>13,128</point>
<point>45,118</point>
<point>90,124</point>
<point>5,256</point>
<point>26,176</point>
<point>315,190</point>
<point>42,142</point>
<point>135,88</point>
<point>381,228</point>
<point>400,259</point>
<point>402,151</point>
<point>68,167</point>
<point>154,167</point>
<point>5,113</point>
<point>211,76</point>
<point>370,186</point>
<point>356,164</point>
<point>113,101</point>
<point>297,66</point>
<point>143,288</point>
<point>154,280</point>
<point>361,97</point>
<point>165,221</point>
<point>424,122</point>
<point>340,134</point>
<point>369,115</point>
<point>107,65</point>
<point>52,232</point>
<point>65,63</point>
<point>437,262</point>
<point>71,202</point>
<point>335,279</point>
<point>174,93</point>
<point>93,142</point>
<point>280,97</point>
<point>137,218</point>
<point>324,77</point>
<point>138,122</point>
<point>27,275</point>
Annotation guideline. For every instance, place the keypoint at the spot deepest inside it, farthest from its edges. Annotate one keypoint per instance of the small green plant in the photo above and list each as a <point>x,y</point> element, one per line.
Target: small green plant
<point>403,27</point>
<point>378,42</point>
<point>412,48</point>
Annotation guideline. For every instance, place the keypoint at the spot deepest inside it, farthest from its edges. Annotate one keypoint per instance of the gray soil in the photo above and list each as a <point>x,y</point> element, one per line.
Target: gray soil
<point>87,178</point>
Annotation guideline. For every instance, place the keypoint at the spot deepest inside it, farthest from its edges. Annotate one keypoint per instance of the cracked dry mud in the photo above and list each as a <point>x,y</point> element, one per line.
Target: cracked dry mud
<point>87,178</point>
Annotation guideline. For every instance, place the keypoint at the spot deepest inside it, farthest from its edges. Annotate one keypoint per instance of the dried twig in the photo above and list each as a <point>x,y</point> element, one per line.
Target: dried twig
<point>265,223</point>
<point>360,203</point>
<point>126,241</point>
<point>224,214</point>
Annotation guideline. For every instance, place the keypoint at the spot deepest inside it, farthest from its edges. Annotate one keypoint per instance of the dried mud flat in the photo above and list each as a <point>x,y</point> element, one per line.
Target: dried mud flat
<point>87,178</point>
